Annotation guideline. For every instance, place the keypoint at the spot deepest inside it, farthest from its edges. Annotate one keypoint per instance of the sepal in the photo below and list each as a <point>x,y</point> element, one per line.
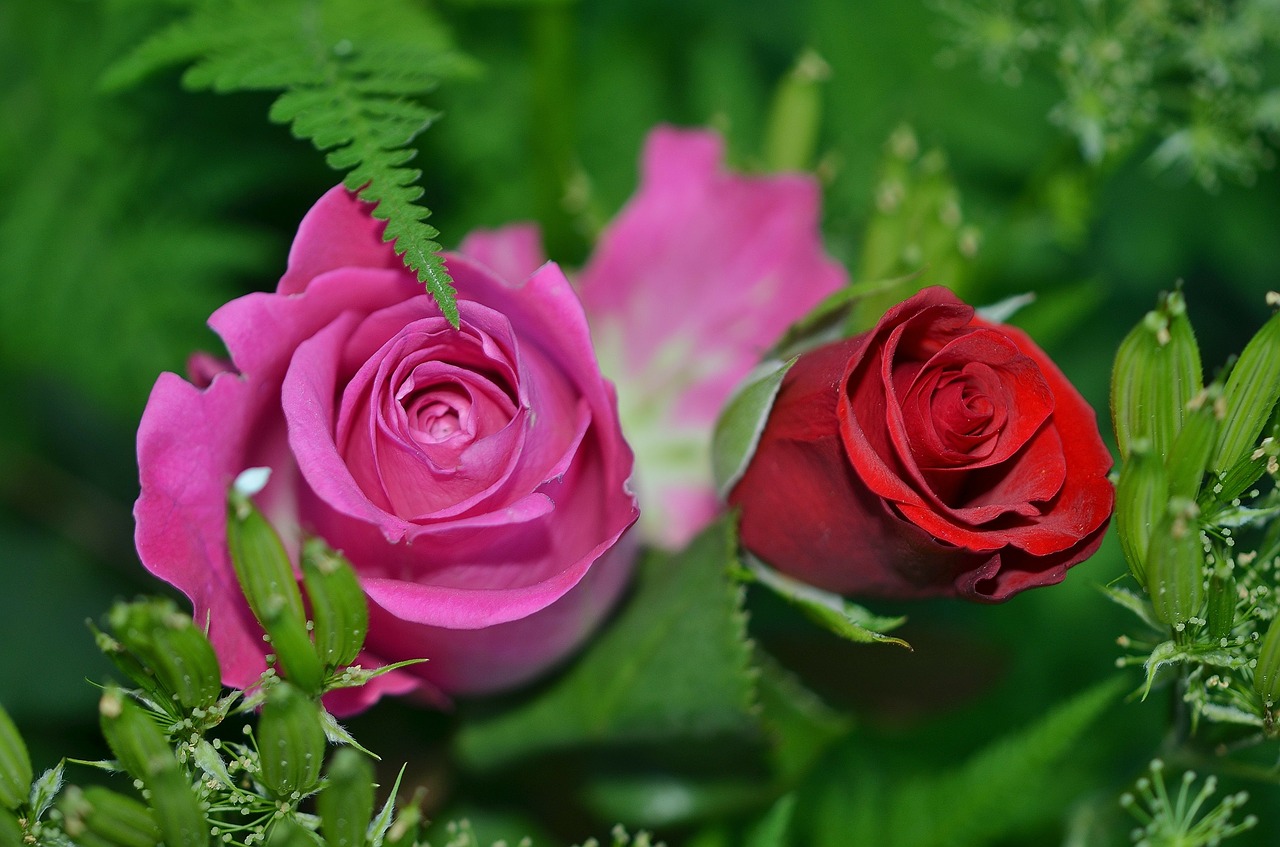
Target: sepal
<point>737,432</point>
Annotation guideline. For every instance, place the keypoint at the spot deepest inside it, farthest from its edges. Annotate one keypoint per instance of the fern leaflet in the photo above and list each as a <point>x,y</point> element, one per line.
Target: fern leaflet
<point>352,75</point>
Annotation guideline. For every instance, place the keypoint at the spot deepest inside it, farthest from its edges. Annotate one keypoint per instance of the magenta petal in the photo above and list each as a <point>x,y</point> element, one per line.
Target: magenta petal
<point>181,514</point>
<point>512,252</point>
<point>693,281</point>
<point>338,232</point>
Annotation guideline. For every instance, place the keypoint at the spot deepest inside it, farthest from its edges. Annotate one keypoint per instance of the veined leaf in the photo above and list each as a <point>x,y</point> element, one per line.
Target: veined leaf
<point>1015,781</point>
<point>676,665</point>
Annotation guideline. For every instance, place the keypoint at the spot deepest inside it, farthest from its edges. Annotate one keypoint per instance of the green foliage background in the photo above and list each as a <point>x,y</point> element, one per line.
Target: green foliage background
<point>129,217</point>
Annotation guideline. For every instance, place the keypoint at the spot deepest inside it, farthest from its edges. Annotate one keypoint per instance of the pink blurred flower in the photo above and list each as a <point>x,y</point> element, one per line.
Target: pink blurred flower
<point>476,478</point>
<point>689,285</point>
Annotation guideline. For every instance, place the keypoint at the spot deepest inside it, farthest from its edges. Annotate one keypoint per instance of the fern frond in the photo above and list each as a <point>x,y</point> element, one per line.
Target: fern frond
<point>352,75</point>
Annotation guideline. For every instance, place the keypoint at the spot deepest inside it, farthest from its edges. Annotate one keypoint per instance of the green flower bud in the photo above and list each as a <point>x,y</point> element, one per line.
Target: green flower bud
<point>1222,605</point>
<point>265,575</point>
<point>137,742</point>
<point>1141,496</point>
<point>99,817</point>
<point>346,803</point>
<point>1194,445</point>
<point>1156,374</point>
<point>177,809</point>
<point>1250,394</point>
<point>291,742</point>
<point>176,651</point>
<point>15,765</point>
<point>1175,565</point>
<point>338,607</point>
<point>792,132</point>
<point>1266,674</point>
<point>286,832</point>
<point>10,830</point>
<point>140,747</point>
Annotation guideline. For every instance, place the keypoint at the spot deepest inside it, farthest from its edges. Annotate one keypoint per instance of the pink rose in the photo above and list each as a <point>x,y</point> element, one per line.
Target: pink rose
<point>690,285</point>
<point>475,477</point>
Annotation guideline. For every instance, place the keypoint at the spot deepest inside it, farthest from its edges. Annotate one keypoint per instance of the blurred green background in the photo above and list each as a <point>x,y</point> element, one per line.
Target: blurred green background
<point>130,217</point>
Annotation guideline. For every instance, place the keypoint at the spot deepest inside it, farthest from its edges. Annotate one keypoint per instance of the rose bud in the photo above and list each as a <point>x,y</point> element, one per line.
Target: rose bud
<point>937,454</point>
<point>475,476</point>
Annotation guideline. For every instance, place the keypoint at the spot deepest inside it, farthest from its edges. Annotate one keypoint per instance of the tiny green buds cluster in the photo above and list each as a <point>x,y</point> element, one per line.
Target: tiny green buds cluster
<point>1199,536</point>
<point>1182,820</point>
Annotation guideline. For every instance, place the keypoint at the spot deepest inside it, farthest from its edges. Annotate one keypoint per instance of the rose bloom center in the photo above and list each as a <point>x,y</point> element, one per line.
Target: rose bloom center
<point>439,414</point>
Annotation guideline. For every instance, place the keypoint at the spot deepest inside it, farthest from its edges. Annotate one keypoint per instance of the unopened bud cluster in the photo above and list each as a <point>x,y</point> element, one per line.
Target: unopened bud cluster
<point>1198,513</point>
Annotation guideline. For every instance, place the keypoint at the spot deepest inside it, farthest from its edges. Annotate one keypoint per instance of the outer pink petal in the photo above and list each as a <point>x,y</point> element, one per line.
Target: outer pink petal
<point>512,252</point>
<point>502,655</point>
<point>693,281</point>
<point>708,262</point>
<point>338,232</point>
<point>181,513</point>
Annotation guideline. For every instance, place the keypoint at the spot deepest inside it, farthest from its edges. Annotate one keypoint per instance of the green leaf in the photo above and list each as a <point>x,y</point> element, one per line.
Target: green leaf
<point>831,611</point>
<point>1015,782</point>
<point>740,425</point>
<point>45,789</point>
<point>772,830</point>
<point>800,727</point>
<point>379,825</point>
<point>351,76</point>
<point>674,665</point>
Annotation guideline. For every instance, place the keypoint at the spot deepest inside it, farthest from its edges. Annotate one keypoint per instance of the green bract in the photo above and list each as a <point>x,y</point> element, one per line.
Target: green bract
<point>10,830</point>
<point>172,648</point>
<point>1193,446</point>
<point>1175,565</point>
<point>1142,494</point>
<point>346,803</point>
<point>1221,616</point>
<point>338,609</point>
<point>1266,675</point>
<point>1250,395</point>
<point>291,742</point>
<point>142,750</point>
<point>267,578</point>
<point>15,765</point>
<point>100,817</point>
<point>1156,374</point>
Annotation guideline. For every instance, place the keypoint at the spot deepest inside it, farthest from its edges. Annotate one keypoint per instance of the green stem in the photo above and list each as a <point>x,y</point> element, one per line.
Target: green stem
<point>552,99</point>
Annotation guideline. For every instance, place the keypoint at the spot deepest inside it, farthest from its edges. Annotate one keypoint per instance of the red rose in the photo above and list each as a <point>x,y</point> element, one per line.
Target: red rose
<point>937,454</point>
